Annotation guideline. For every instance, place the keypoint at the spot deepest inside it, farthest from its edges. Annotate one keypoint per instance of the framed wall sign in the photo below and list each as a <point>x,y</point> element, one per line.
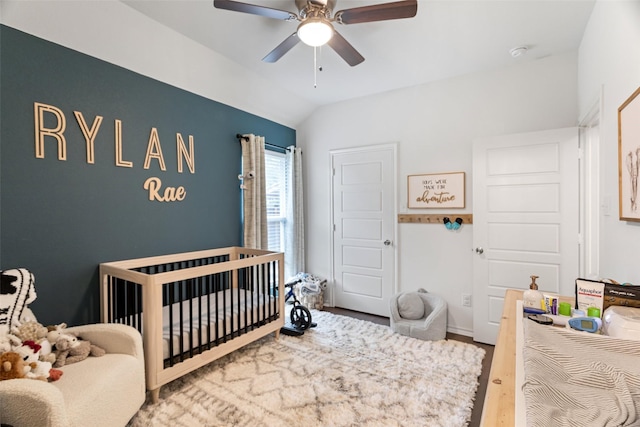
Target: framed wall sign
<point>442,190</point>
<point>629,157</point>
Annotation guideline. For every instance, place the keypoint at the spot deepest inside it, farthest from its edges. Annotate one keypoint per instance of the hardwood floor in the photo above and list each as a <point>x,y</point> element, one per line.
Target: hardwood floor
<point>486,363</point>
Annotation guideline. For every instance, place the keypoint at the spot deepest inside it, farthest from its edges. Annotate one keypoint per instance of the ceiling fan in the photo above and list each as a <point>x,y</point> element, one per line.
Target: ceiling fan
<point>316,29</point>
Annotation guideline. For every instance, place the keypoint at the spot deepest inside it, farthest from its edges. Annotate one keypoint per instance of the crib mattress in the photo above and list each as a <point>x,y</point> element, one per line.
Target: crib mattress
<point>228,318</point>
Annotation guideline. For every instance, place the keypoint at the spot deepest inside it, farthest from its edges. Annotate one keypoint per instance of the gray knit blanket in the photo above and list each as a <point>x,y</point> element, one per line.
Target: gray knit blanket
<point>580,379</point>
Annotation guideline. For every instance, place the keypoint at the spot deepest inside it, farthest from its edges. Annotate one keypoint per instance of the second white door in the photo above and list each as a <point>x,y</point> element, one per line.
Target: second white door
<point>525,219</point>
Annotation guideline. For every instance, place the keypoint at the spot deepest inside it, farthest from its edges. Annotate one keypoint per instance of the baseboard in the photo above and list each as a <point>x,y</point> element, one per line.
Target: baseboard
<point>460,331</point>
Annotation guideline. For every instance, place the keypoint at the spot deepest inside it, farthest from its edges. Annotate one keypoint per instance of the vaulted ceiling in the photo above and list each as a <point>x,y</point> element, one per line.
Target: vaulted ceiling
<point>447,38</point>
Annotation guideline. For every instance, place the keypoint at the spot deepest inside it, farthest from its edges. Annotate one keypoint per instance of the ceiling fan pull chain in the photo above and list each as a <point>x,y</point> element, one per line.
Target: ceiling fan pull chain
<point>315,68</point>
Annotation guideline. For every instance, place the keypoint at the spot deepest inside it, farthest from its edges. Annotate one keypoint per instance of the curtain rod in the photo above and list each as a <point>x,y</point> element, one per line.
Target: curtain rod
<point>241,137</point>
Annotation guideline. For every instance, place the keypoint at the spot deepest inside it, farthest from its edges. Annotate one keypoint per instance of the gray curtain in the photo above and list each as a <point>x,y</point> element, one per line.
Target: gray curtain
<point>294,228</point>
<point>253,194</point>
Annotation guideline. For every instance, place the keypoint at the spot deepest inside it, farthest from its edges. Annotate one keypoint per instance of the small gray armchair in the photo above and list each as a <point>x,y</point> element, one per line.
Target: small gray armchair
<point>419,315</point>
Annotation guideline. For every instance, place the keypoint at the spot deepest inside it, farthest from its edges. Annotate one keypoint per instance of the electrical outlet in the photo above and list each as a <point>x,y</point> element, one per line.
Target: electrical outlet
<point>466,300</point>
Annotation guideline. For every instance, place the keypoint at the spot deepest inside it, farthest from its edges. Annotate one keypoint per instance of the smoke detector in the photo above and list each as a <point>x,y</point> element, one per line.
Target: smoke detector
<point>518,51</point>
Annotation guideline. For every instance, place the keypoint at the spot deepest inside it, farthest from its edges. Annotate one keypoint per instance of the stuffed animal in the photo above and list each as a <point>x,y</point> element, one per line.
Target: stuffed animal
<point>30,331</point>
<point>69,349</point>
<point>8,342</point>
<point>30,352</point>
<point>40,371</point>
<point>33,331</point>
<point>54,332</point>
<point>11,366</point>
<point>61,342</point>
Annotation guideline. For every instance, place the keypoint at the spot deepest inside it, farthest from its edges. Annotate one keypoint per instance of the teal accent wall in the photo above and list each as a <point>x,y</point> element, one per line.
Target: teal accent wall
<point>61,218</point>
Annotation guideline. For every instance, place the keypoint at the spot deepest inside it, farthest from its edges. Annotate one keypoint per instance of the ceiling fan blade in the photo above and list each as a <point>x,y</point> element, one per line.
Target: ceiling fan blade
<point>378,12</point>
<point>345,50</point>
<point>237,6</point>
<point>282,48</point>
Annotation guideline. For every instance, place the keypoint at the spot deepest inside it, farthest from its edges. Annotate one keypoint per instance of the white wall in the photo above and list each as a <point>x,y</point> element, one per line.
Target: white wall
<point>434,125</point>
<point>609,60</point>
<point>116,33</point>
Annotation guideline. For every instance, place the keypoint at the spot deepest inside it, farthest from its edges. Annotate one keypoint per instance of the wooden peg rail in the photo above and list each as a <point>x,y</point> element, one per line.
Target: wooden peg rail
<point>434,218</point>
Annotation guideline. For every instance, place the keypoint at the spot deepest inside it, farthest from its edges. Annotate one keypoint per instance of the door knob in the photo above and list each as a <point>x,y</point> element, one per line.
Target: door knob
<point>479,250</point>
<point>387,242</point>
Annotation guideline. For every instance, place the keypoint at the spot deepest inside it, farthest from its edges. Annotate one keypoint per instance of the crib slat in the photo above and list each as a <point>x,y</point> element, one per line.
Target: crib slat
<point>170,298</point>
<point>187,284</point>
<point>238,329</point>
<point>254,305</point>
<point>216,285</point>
<point>207,287</point>
<point>267,291</point>
<point>246,303</point>
<point>181,320</point>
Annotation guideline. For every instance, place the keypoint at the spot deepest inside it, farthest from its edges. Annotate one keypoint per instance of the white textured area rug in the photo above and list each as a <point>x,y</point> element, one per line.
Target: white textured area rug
<point>344,372</point>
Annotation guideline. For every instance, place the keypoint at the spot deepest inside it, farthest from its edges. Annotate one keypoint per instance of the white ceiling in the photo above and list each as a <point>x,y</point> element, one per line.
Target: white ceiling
<point>447,38</point>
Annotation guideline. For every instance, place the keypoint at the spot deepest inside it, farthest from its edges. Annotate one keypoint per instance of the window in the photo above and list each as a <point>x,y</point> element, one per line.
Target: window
<point>276,193</point>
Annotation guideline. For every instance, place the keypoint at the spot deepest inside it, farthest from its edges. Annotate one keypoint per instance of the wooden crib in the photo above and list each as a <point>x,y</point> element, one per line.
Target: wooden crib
<point>195,307</point>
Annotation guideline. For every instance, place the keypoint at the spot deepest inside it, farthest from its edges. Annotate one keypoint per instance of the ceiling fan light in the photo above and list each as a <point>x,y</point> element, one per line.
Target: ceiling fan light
<point>315,32</point>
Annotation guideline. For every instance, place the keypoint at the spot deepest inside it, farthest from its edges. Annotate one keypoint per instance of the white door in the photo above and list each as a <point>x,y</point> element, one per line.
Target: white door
<point>525,219</point>
<point>363,199</point>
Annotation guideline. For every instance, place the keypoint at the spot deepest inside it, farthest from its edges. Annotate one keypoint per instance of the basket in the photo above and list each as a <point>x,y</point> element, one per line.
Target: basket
<point>315,301</point>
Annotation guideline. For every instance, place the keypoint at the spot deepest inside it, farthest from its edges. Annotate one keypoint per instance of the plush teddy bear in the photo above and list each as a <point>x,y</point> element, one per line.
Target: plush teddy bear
<point>11,366</point>
<point>69,349</point>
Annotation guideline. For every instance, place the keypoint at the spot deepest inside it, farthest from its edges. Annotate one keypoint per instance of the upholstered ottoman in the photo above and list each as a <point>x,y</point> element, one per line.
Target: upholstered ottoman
<point>419,315</point>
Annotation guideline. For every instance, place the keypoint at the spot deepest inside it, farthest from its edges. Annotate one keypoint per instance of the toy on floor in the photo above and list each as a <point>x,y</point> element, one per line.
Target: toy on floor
<point>300,316</point>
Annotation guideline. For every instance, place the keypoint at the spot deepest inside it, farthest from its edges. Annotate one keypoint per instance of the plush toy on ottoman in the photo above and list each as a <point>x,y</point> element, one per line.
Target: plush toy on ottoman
<point>11,366</point>
<point>69,349</point>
